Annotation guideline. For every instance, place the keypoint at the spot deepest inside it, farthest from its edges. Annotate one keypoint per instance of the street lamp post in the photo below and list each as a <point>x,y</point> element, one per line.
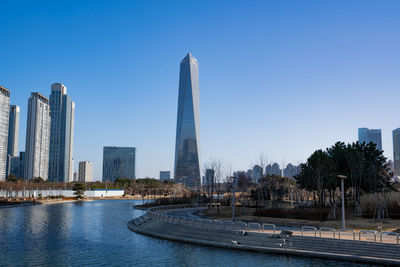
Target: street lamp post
<point>342,177</point>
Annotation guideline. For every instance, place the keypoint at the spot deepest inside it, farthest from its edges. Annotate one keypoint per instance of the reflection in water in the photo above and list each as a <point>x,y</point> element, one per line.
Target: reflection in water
<point>38,219</point>
<point>95,234</point>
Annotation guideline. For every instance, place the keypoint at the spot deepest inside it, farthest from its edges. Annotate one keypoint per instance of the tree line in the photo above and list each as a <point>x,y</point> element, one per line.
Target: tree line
<point>364,165</point>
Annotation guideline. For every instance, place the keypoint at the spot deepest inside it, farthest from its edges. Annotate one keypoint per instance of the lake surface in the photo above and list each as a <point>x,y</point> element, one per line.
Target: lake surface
<point>95,234</point>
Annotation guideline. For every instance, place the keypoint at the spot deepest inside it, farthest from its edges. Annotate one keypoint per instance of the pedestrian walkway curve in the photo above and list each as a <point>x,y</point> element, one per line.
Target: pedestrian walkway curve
<point>177,223</point>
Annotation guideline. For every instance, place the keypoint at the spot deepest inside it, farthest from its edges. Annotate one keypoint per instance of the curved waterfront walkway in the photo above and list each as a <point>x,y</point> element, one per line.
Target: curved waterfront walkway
<point>178,223</point>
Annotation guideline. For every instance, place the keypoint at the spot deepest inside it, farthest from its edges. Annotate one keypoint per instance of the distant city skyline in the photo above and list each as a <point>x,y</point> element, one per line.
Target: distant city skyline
<point>275,78</point>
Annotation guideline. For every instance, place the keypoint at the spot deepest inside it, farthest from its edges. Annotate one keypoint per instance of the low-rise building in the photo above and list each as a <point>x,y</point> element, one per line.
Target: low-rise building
<point>85,172</point>
<point>165,175</point>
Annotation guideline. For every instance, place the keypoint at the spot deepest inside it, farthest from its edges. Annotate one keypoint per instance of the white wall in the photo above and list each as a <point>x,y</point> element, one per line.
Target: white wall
<point>65,193</point>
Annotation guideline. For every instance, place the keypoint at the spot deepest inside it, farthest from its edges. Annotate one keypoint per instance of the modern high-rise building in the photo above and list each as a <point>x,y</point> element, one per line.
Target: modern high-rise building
<point>396,151</point>
<point>165,175</point>
<point>209,177</point>
<point>37,137</point>
<point>61,134</point>
<point>85,172</point>
<point>118,162</point>
<point>250,174</point>
<point>370,135</point>
<point>4,119</point>
<point>16,165</point>
<point>187,146</point>
<point>273,169</point>
<point>291,170</point>
<point>13,131</point>
<point>257,173</point>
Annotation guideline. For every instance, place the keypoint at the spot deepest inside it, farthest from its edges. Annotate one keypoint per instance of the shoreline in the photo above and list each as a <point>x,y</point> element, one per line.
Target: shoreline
<point>175,224</point>
<point>132,226</point>
<point>35,202</point>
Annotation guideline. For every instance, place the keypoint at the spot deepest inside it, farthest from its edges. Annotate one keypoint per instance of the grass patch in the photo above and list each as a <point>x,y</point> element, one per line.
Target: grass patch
<point>302,214</point>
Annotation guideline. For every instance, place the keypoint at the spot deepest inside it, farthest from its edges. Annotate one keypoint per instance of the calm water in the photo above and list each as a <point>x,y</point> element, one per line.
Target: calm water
<point>95,234</point>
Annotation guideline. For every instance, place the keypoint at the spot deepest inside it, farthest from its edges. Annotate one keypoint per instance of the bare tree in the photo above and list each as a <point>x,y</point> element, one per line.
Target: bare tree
<point>262,161</point>
<point>216,167</point>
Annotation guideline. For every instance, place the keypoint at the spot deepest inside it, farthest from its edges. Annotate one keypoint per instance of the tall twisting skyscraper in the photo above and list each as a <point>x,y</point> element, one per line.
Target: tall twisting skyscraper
<point>187,147</point>
<point>61,134</point>
<point>4,117</point>
<point>37,137</point>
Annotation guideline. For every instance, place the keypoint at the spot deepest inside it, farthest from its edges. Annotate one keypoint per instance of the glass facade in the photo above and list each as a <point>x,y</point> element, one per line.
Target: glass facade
<point>13,131</point>
<point>187,147</point>
<point>61,134</point>
<point>16,165</point>
<point>370,135</point>
<point>396,151</point>
<point>165,175</point>
<point>118,162</point>
<point>4,118</point>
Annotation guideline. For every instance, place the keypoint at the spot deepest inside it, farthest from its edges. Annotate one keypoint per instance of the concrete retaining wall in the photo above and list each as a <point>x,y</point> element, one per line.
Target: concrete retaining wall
<point>183,229</point>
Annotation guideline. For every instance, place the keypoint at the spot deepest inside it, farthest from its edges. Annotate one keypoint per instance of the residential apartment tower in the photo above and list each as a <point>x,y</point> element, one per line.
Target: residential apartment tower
<point>37,137</point>
<point>61,134</point>
<point>4,120</point>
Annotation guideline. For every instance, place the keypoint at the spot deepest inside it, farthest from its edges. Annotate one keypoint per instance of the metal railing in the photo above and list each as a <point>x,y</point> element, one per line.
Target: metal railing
<point>390,233</point>
<point>154,213</point>
<point>367,232</point>
<point>268,224</point>
<point>347,230</point>
<point>309,228</point>
<point>256,225</point>
<point>321,229</point>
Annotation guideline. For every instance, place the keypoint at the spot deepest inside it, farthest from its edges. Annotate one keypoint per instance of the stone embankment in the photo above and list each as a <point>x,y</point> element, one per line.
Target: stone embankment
<point>164,222</point>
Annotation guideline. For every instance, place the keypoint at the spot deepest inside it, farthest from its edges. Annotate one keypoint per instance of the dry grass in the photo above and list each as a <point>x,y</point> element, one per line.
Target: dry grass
<point>246,214</point>
<point>371,201</point>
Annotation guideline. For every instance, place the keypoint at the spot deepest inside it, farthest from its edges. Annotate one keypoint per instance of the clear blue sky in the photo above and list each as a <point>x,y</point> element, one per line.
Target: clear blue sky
<point>279,77</point>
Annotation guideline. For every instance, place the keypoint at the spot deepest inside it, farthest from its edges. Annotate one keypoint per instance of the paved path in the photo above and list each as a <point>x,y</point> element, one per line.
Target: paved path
<point>306,246</point>
<point>189,212</point>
